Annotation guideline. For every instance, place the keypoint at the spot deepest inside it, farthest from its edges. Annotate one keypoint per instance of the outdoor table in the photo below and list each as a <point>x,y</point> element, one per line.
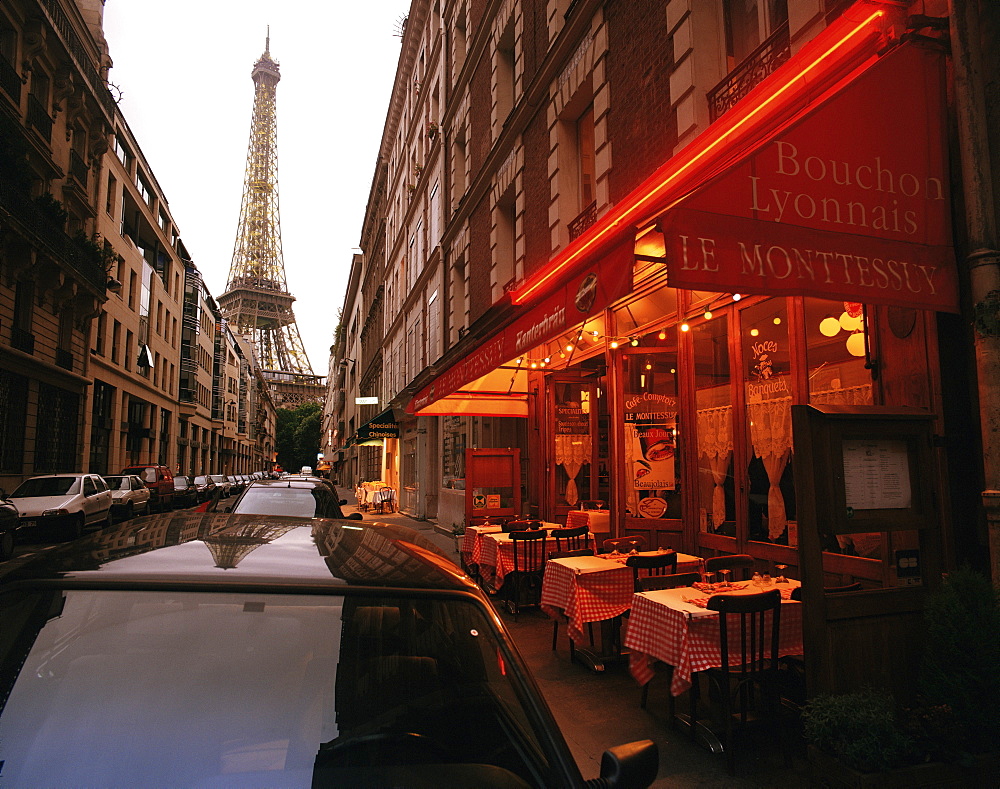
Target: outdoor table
<point>598,521</point>
<point>493,552</point>
<point>588,589</point>
<point>664,626</point>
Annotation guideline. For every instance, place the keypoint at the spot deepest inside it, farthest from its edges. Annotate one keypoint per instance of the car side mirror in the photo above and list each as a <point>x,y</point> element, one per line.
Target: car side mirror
<point>632,765</point>
<point>355,516</point>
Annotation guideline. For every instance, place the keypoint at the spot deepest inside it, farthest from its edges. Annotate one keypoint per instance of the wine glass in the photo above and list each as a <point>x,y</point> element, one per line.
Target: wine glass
<point>781,574</point>
<point>766,581</point>
<point>709,580</point>
<point>724,584</point>
<point>756,580</point>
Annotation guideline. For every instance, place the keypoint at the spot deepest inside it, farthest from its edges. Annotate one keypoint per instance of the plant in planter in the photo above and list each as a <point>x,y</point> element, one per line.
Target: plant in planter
<point>950,738</point>
<point>859,729</point>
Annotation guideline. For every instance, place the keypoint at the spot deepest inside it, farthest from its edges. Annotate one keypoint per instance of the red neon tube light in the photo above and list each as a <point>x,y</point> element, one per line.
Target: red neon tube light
<point>821,57</point>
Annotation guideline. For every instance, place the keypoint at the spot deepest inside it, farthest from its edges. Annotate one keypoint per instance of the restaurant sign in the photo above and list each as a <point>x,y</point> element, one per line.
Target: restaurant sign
<point>848,202</point>
<point>581,295</point>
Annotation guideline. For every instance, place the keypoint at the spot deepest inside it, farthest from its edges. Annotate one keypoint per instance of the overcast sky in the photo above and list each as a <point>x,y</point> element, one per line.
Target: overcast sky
<point>184,72</point>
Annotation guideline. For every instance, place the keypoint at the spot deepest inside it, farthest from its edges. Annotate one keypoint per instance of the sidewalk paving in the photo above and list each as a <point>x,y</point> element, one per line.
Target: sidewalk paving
<point>597,711</point>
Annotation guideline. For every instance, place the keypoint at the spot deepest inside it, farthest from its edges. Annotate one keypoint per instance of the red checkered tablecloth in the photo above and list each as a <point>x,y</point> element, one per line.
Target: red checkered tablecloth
<point>661,626</point>
<point>471,536</point>
<point>585,589</point>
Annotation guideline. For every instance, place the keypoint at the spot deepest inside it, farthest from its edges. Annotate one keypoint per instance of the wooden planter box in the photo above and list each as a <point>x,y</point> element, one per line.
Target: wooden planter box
<point>826,770</point>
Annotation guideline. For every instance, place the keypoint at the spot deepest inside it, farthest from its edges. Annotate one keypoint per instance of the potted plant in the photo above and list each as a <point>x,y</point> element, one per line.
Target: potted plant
<point>863,739</point>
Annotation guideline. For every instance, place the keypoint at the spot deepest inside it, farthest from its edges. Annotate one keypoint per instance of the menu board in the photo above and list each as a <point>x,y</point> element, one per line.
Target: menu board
<point>877,474</point>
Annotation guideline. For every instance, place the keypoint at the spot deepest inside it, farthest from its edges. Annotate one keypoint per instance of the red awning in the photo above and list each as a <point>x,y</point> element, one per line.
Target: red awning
<point>580,296</point>
<point>849,200</point>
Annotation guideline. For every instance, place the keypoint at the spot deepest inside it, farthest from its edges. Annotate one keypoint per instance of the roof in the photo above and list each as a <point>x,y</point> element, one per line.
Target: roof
<point>228,550</point>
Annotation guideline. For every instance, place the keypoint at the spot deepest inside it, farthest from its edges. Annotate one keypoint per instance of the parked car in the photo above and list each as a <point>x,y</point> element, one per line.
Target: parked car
<point>185,492</point>
<point>160,481</point>
<point>67,502</point>
<point>129,496</point>
<point>205,487</point>
<point>8,525</point>
<point>306,471</point>
<point>234,485</point>
<point>222,484</point>
<point>302,498</point>
<point>340,654</point>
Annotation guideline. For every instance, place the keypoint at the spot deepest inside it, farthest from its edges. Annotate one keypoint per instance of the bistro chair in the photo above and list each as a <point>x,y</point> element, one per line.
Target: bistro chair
<point>740,563</point>
<point>563,617</point>
<point>570,539</point>
<point>524,582</point>
<point>624,544</point>
<point>657,564</point>
<point>520,524</point>
<point>650,583</point>
<point>745,688</point>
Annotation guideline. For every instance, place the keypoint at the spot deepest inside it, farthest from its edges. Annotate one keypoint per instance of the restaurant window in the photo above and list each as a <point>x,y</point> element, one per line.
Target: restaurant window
<point>767,383</point>
<point>714,426</point>
<point>573,441</point>
<point>652,471</point>
<point>835,353</point>
<point>453,444</point>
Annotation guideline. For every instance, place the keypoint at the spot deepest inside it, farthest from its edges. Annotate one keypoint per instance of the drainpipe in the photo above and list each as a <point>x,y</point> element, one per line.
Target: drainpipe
<point>983,262</point>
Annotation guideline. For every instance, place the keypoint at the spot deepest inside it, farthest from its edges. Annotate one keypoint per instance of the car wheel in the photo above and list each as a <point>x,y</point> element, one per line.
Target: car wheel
<point>6,545</point>
<point>129,512</point>
<point>75,528</point>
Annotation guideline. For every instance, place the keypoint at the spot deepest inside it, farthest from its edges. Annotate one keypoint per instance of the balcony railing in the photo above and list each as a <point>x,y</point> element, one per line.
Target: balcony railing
<point>39,118</point>
<point>78,168</point>
<point>22,340</point>
<point>757,66</point>
<point>582,222</point>
<point>10,81</point>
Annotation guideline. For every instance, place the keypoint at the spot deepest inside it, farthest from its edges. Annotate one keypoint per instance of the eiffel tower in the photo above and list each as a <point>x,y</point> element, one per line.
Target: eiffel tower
<point>257,304</point>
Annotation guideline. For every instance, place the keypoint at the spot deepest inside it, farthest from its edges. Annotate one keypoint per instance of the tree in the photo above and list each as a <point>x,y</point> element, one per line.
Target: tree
<point>298,435</point>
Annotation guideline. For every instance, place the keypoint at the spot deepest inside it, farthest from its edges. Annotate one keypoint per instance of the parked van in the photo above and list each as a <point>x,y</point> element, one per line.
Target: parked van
<point>160,481</point>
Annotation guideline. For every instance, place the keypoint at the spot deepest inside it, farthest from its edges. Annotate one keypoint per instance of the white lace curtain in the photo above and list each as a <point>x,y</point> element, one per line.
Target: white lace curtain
<point>715,441</point>
<point>572,452</point>
<point>771,436</point>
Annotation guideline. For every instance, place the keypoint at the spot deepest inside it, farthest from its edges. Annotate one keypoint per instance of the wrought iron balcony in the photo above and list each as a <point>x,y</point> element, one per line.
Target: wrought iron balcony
<point>10,82</point>
<point>78,168</point>
<point>22,340</point>
<point>38,118</point>
<point>587,217</point>
<point>757,66</point>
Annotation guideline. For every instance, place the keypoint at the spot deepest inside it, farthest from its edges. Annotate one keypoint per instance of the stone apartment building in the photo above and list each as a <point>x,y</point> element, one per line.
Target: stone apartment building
<point>108,339</point>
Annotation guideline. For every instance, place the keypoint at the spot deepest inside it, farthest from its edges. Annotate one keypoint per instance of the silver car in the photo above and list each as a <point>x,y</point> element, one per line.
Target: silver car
<point>68,502</point>
<point>129,496</point>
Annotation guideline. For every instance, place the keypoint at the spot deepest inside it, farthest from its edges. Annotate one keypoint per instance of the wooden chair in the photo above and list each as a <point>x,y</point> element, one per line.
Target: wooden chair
<point>650,583</point>
<point>570,539</point>
<point>624,544</point>
<point>524,582</point>
<point>563,617</point>
<point>740,563</point>
<point>746,685</point>
<point>657,564</point>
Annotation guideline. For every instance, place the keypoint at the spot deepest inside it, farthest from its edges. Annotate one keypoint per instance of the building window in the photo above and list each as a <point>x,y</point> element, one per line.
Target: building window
<point>453,441</point>
<point>56,429</point>
<point>100,432</point>
<point>112,196</point>
<point>714,426</point>
<point>504,76</point>
<point>505,234</point>
<point>22,337</point>
<point>13,415</point>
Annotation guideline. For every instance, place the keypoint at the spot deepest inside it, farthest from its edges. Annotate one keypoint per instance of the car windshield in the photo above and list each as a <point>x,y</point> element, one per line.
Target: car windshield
<point>217,478</point>
<point>117,483</point>
<point>135,688</point>
<point>180,482</point>
<point>46,486</point>
<point>201,480</point>
<point>278,500</point>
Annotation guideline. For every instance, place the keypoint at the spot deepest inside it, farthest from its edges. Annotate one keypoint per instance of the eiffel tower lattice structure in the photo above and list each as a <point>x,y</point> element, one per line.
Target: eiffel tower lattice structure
<point>257,304</point>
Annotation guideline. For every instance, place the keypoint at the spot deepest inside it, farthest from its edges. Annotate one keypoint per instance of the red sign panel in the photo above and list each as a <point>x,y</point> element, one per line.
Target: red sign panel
<point>580,296</point>
<point>849,202</point>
